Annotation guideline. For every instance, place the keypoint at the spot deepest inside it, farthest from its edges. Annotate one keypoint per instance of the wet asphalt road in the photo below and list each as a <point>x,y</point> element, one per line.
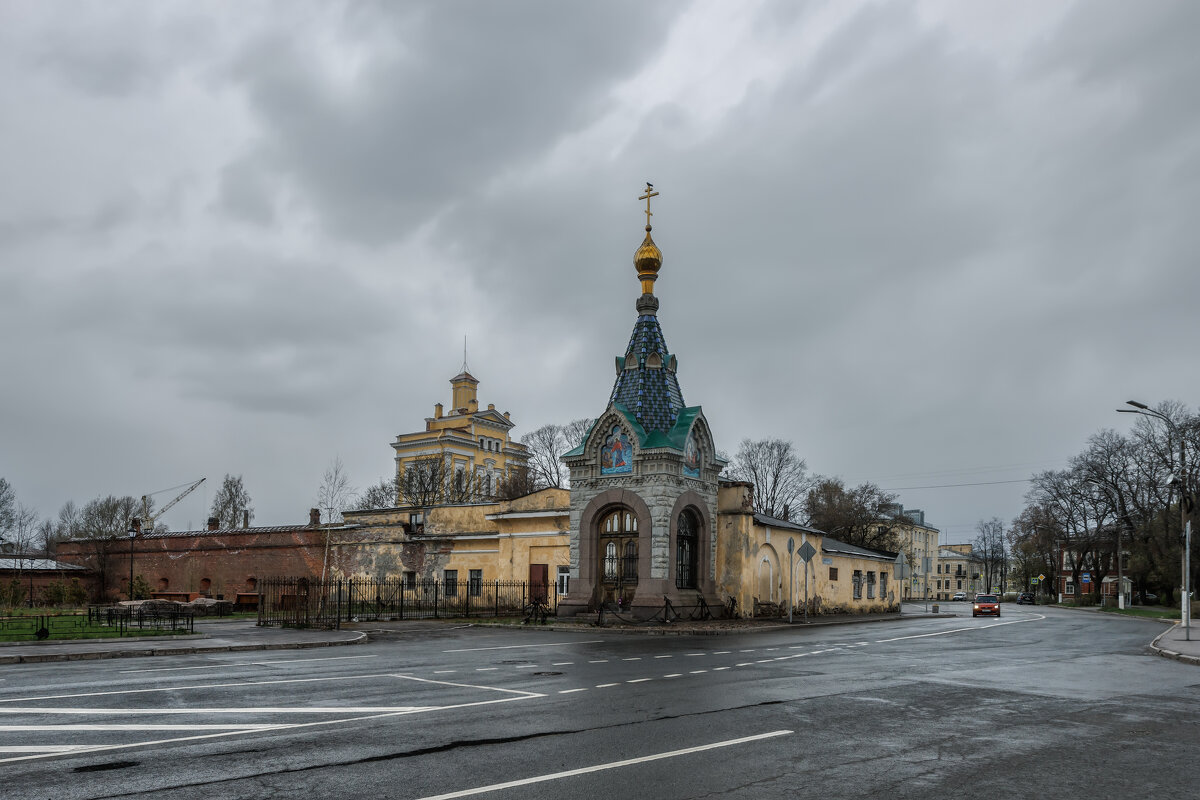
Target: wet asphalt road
<point>1044,702</point>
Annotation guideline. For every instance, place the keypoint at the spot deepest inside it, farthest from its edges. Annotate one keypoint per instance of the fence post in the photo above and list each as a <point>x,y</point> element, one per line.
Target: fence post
<point>402,588</point>
<point>339,603</point>
<point>435,598</point>
<point>496,596</point>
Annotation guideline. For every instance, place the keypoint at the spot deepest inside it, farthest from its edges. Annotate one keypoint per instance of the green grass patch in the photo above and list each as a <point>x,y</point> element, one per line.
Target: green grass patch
<point>87,633</point>
<point>1151,612</point>
<point>62,627</point>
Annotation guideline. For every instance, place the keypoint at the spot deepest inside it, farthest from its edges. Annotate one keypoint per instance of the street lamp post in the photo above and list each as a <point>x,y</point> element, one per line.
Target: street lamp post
<point>1184,499</point>
<point>132,534</point>
<point>1120,571</point>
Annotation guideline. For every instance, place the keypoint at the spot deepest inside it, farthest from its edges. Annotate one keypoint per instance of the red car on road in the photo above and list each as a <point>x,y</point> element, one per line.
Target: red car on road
<point>986,605</point>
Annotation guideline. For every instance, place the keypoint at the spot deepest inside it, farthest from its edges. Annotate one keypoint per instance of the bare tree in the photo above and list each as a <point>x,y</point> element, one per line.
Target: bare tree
<point>335,494</point>
<point>864,515</point>
<point>546,446</point>
<point>519,483</point>
<point>423,483</point>
<point>780,476</point>
<point>103,525</point>
<point>989,547</point>
<point>230,502</point>
<point>385,494</point>
<point>8,508</point>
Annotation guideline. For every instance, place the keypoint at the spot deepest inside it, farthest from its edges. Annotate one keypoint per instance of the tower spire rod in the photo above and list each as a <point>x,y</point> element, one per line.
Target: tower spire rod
<point>464,368</point>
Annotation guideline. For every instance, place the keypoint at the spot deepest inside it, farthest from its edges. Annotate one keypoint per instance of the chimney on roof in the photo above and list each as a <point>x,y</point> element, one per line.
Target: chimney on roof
<point>213,523</point>
<point>314,517</point>
<point>437,410</point>
<point>245,518</point>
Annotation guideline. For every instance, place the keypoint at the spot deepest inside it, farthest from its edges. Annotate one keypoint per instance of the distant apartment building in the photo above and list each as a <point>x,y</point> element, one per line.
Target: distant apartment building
<point>958,570</point>
<point>919,543</point>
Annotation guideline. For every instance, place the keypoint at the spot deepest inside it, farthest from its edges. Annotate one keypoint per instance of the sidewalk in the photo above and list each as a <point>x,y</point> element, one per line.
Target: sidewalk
<point>210,637</point>
<point>1171,644</point>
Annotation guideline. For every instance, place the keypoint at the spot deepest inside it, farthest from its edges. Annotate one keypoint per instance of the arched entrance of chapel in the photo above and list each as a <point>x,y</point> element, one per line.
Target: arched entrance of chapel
<point>618,543</point>
<point>606,582</point>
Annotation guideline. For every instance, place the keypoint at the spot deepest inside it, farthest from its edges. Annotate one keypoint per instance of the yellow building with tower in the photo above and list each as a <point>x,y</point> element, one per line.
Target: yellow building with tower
<point>464,455</point>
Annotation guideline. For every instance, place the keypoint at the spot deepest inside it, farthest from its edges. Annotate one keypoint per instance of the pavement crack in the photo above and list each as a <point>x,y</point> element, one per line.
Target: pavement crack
<point>441,748</point>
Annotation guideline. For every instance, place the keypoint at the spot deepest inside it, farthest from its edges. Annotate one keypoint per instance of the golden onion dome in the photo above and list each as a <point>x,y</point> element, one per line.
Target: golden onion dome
<point>648,258</point>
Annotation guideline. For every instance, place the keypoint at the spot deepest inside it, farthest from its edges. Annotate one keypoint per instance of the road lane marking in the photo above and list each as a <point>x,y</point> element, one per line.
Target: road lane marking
<point>639,680</point>
<point>200,710</point>
<point>571,691</point>
<point>495,787</point>
<point>289,726</point>
<point>1035,618</point>
<point>486,669</point>
<point>721,653</point>
<point>41,748</point>
<point>635,658</point>
<point>247,664</point>
<point>464,686</point>
<point>674,675</point>
<point>664,656</point>
<point>129,726</point>
<point>698,672</point>
<point>606,685</point>
<point>515,646</point>
<point>444,671</point>
<point>718,669</point>
<point>197,686</point>
<point>562,663</point>
<point>600,661</point>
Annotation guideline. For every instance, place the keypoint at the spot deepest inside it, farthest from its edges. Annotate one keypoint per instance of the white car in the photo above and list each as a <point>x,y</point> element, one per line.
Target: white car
<point>960,596</point>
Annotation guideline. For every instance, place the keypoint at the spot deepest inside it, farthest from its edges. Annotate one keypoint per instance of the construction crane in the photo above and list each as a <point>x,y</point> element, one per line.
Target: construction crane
<point>148,518</point>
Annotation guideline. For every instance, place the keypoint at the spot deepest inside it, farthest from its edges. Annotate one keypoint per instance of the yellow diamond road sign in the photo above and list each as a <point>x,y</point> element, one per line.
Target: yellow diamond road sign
<point>1041,577</point>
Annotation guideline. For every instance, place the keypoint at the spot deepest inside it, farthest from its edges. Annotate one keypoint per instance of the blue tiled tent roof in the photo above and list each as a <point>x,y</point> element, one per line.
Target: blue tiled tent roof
<point>651,395</point>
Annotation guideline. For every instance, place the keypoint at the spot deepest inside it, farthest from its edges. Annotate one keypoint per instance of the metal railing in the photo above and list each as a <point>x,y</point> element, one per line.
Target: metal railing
<point>97,621</point>
<point>309,602</point>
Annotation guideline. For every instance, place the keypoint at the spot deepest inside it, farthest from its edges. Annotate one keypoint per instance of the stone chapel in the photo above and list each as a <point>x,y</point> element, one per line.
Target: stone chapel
<point>644,482</point>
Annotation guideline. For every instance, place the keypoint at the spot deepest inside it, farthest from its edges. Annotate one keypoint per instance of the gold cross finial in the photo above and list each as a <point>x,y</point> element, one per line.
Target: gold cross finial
<point>649,193</point>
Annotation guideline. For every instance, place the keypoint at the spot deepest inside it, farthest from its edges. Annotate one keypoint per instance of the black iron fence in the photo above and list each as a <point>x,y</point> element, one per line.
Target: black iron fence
<point>98,621</point>
<point>308,602</point>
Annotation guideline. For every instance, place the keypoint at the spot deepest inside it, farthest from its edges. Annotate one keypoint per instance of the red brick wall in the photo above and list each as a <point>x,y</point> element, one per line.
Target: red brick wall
<point>43,578</point>
<point>229,560</point>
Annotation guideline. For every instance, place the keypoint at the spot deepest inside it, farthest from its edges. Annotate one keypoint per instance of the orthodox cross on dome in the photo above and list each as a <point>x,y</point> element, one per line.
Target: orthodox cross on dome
<point>649,193</point>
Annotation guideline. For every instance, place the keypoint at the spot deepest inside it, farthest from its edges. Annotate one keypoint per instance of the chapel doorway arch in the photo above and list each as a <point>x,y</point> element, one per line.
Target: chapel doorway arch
<point>618,547</point>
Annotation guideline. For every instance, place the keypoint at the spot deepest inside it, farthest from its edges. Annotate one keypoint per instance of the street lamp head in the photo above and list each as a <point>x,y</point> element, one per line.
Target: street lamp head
<point>1136,404</point>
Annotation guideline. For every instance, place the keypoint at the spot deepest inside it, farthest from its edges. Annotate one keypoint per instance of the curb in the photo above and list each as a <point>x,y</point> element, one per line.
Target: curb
<point>360,638</point>
<point>1174,654</point>
<point>682,631</point>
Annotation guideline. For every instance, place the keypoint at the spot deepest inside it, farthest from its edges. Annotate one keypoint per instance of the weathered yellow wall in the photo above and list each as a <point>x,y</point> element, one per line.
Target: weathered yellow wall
<point>459,538</point>
<point>752,563</point>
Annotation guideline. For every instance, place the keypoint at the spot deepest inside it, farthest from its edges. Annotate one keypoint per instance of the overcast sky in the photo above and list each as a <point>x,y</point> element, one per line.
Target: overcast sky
<point>929,243</point>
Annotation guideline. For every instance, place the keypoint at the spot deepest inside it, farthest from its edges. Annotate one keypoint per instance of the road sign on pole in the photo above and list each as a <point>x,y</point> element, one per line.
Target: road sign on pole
<point>791,575</point>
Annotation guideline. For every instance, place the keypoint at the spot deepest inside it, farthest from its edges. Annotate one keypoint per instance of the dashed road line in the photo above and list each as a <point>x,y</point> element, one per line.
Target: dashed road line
<point>516,646</point>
